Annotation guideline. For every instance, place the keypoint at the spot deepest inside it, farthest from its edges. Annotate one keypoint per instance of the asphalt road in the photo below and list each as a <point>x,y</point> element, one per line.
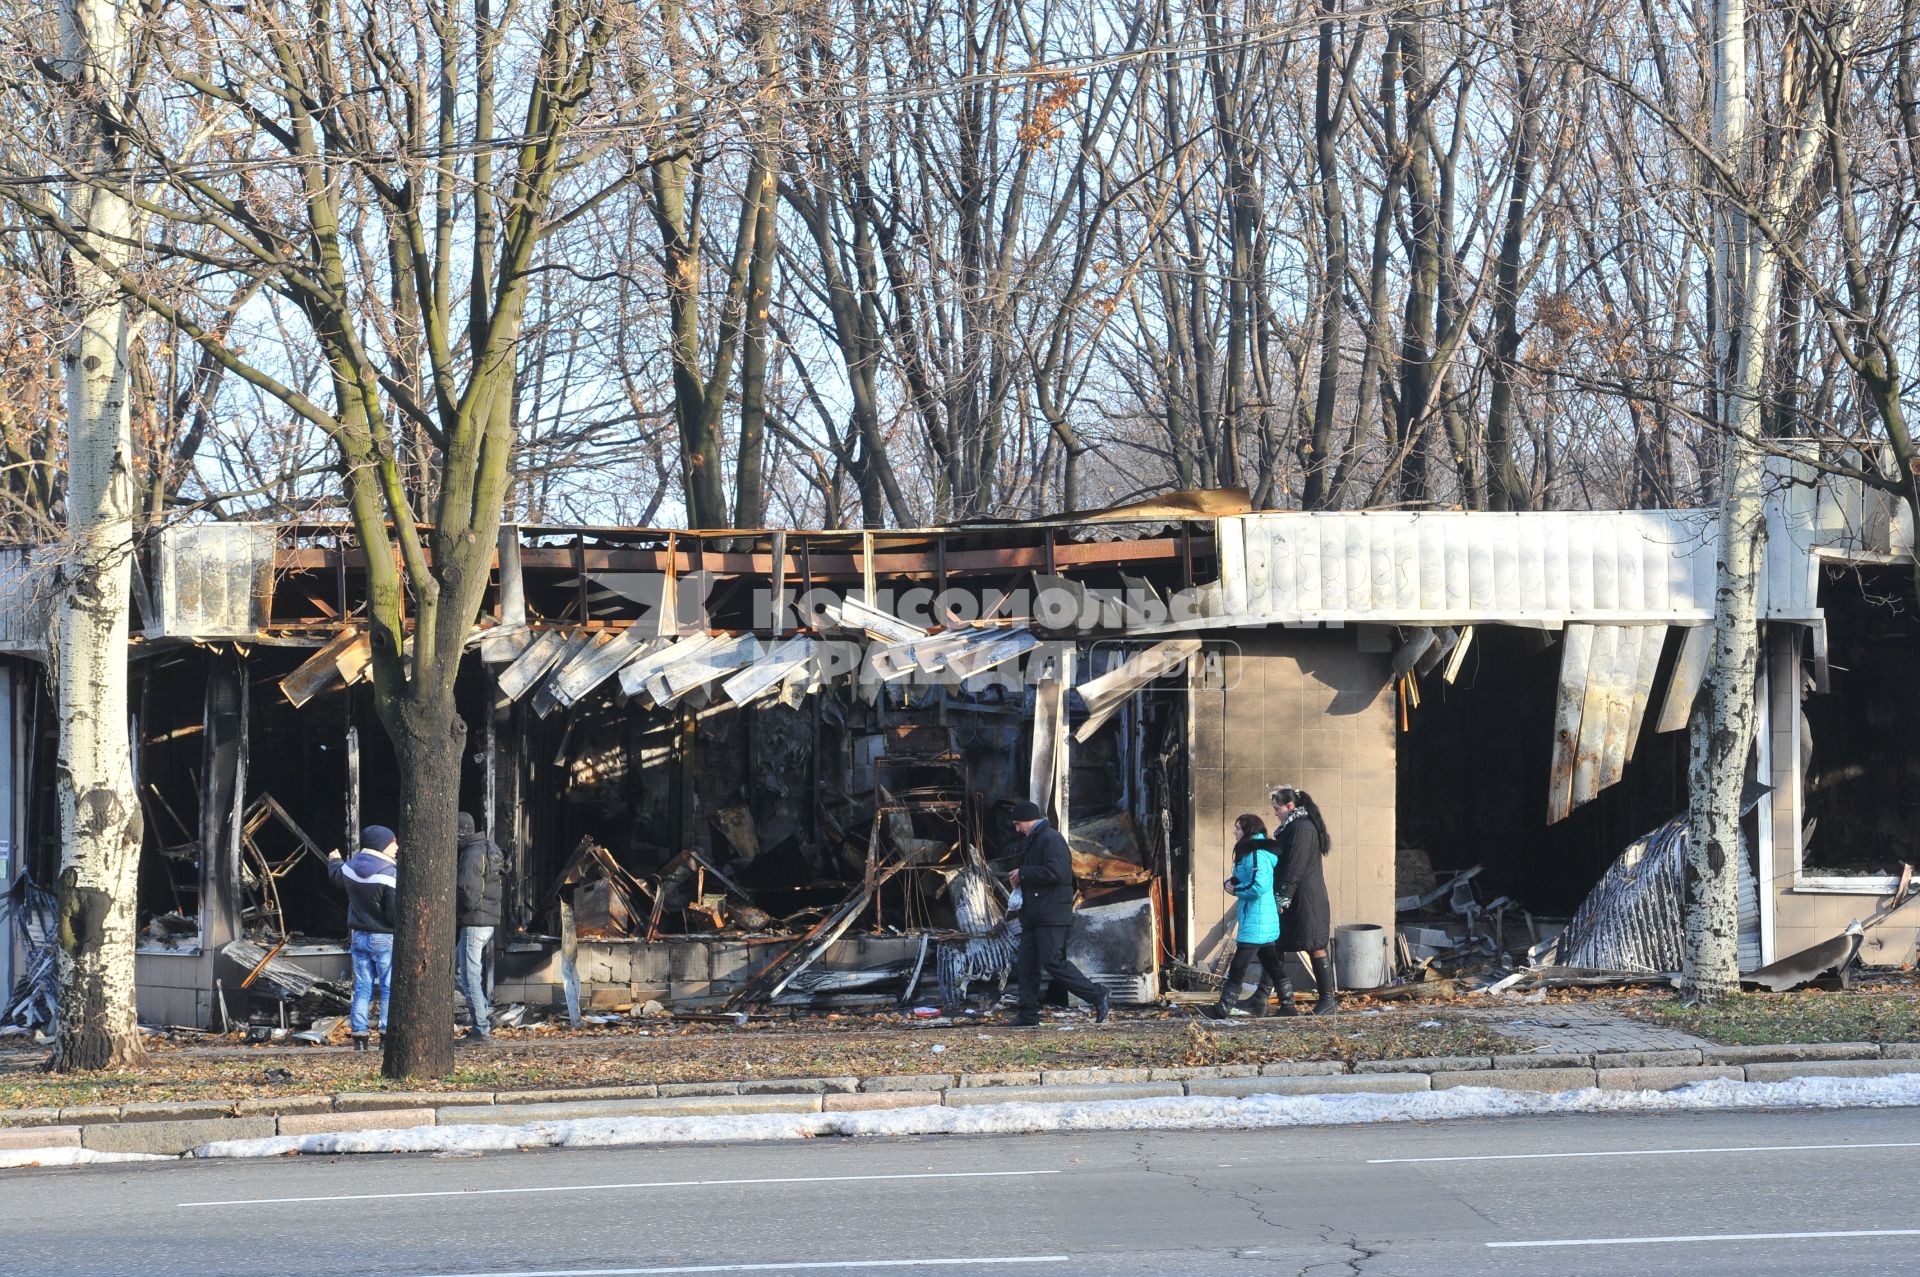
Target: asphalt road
<point>1750,1193</point>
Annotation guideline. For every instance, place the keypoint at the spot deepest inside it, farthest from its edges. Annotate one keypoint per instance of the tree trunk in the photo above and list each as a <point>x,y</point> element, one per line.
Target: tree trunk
<point>1412,410</point>
<point>1506,485</point>
<point>699,435</point>
<point>750,489</point>
<point>430,737</point>
<point>1723,723</point>
<point>1328,100</point>
<point>1722,737</point>
<point>100,828</point>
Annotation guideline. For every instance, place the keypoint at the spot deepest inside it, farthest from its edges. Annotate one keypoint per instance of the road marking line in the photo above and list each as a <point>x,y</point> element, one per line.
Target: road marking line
<point>1714,1237</point>
<point>835,1265</point>
<point>601,1188</point>
<point>1642,1152</point>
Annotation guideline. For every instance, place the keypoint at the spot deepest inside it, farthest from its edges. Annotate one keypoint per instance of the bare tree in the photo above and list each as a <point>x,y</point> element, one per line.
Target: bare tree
<point>686,95</point>
<point>350,162</point>
<point>100,826</point>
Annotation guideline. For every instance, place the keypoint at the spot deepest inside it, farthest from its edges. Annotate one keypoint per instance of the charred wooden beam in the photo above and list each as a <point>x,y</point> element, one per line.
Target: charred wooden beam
<point>837,566</point>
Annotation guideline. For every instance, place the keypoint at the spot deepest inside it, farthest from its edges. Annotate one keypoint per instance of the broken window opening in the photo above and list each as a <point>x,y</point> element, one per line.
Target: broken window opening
<point>298,795</point>
<point>37,736</point>
<point>1472,787</point>
<point>170,721</point>
<point>1126,792</point>
<point>1861,778</point>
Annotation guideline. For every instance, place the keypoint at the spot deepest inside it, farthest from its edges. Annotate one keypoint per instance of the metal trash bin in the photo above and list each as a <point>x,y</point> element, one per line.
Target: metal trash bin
<point>1360,955</point>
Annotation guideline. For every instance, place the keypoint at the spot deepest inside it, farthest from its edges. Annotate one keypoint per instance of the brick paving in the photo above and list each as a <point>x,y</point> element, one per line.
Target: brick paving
<point>1578,1030</point>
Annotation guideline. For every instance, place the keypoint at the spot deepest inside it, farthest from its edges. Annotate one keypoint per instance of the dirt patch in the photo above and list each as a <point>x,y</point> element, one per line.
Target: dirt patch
<point>629,1054</point>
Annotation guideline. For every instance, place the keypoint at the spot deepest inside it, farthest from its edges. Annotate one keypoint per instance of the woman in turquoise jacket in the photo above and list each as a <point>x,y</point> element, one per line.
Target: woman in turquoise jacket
<point>1254,860</point>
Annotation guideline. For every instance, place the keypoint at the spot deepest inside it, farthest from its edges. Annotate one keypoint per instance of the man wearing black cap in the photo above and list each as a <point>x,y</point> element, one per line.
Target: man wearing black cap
<point>1045,879</point>
<point>477,904</point>
<point>369,879</point>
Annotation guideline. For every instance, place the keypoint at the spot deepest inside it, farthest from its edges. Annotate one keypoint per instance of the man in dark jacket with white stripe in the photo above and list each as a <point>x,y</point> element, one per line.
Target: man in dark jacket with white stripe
<point>478,908</point>
<point>1045,880</point>
<point>369,879</point>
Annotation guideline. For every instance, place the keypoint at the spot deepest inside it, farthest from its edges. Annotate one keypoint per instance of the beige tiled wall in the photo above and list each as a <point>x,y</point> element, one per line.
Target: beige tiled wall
<point>1307,708</point>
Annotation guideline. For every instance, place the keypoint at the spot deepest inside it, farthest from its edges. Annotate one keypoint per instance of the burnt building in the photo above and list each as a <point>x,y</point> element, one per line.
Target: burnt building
<point>734,768</point>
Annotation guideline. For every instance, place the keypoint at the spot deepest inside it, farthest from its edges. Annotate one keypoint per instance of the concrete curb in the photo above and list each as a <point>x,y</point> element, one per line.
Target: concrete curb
<point>175,1128</point>
<point>1556,1077</point>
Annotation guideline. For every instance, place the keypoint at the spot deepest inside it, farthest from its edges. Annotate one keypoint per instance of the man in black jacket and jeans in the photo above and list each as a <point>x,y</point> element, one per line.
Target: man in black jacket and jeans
<point>369,879</point>
<point>1045,880</point>
<point>478,909</point>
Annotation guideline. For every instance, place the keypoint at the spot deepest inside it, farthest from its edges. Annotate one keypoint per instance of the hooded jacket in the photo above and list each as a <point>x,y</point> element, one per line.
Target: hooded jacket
<point>481,870</point>
<point>368,878</point>
<point>1252,884</point>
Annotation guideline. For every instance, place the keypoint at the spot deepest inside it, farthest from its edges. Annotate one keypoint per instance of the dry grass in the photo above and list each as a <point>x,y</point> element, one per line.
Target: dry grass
<point>669,1052</point>
<point>1886,1012</point>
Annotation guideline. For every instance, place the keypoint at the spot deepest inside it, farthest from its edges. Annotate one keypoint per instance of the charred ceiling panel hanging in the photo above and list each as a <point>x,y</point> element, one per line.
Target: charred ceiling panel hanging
<point>344,661</point>
<point>1606,680</point>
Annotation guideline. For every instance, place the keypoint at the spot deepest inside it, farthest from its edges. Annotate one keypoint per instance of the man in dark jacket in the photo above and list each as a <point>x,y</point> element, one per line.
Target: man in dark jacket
<point>1045,880</point>
<point>369,881</point>
<point>478,907</point>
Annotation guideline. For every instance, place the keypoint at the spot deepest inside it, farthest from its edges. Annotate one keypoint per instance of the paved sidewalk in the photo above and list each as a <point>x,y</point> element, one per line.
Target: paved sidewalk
<point>174,1128</point>
<point>1577,1030</point>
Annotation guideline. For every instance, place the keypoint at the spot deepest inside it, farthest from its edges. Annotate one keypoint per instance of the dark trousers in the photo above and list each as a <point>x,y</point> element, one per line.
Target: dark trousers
<point>1043,952</point>
<point>1271,966</point>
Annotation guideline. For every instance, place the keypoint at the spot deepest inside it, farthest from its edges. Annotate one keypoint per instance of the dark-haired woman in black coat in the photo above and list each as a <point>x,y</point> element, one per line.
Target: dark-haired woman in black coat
<point>1300,886</point>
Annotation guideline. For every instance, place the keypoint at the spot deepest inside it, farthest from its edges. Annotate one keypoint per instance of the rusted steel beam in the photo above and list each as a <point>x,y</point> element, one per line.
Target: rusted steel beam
<point>886,563</point>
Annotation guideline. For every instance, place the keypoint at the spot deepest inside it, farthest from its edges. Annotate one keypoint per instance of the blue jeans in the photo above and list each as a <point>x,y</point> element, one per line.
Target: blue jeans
<point>372,965</point>
<point>472,973</point>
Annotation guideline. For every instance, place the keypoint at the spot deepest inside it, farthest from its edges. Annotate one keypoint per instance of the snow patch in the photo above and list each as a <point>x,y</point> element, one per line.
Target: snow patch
<point>17,1157</point>
<point>1190,1113</point>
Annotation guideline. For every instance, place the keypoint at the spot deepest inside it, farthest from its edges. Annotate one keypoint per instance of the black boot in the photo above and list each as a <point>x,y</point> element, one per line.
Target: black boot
<point>1323,980</point>
<point>1285,994</point>
<point>359,1041</point>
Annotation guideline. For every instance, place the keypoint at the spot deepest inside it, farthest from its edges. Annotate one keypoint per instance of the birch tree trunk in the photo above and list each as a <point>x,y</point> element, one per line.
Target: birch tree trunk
<point>99,812</point>
<point>1746,274</point>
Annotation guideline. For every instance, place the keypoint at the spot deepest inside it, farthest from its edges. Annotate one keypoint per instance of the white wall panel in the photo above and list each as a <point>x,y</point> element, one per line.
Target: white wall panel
<point>1597,567</point>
